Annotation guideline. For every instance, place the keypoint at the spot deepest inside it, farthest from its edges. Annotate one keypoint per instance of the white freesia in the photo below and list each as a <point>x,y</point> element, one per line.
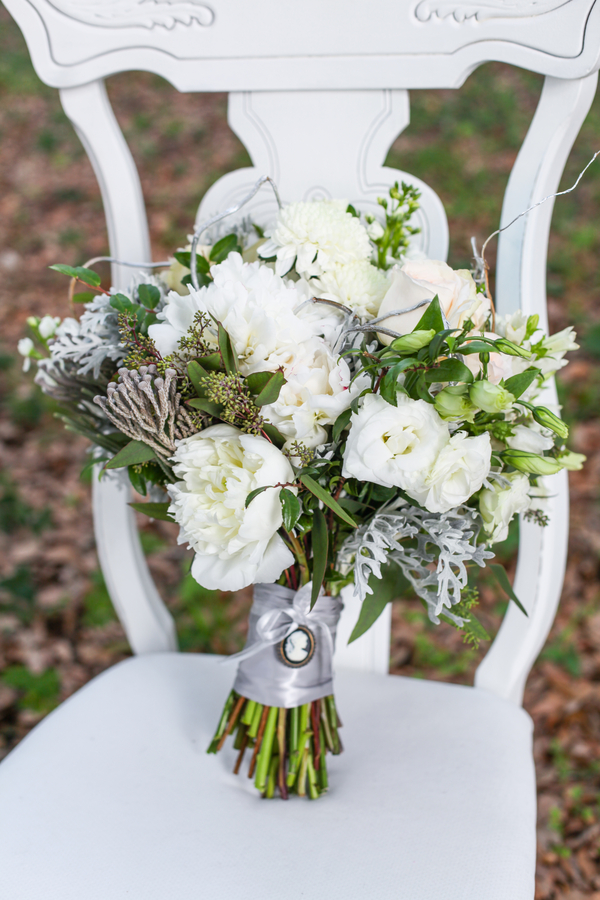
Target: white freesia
<point>500,366</point>
<point>256,308</point>
<point>419,280</point>
<point>512,326</point>
<point>531,438</point>
<point>317,236</point>
<point>394,446</point>
<point>48,325</point>
<point>458,472</point>
<point>25,347</point>
<point>358,285</point>
<point>235,546</point>
<point>313,396</point>
<point>500,505</point>
<point>556,346</point>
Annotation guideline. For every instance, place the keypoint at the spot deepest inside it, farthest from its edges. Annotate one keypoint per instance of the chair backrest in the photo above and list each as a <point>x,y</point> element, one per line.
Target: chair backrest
<point>344,67</point>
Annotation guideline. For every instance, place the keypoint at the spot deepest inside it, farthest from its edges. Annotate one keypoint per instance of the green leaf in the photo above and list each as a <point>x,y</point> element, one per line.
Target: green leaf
<point>224,247</point>
<point>388,387</point>
<point>290,508</point>
<point>274,436</point>
<point>86,275</point>
<point>255,493</point>
<point>431,318</point>
<point>271,390</point>
<point>212,362</point>
<point>84,297</point>
<point>134,453</point>
<point>229,358</point>
<point>518,384</point>
<point>315,488</point>
<point>340,423</point>
<point>420,389</point>
<point>184,257</point>
<point>257,381</point>
<point>123,304</point>
<point>499,572</point>
<point>196,373</point>
<point>392,584</point>
<point>449,370</point>
<point>478,346</point>
<point>203,280</point>
<point>320,549</point>
<point>154,510</point>
<point>350,209</point>
<point>137,480</point>
<point>207,406</point>
<point>149,295</point>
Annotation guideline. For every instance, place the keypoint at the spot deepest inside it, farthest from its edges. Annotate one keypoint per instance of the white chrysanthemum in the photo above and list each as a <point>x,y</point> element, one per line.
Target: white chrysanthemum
<point>358,285</point>
<point>235,546</point>
<point>256,308</point>
<point>317,235</point>
<point>313,396</point>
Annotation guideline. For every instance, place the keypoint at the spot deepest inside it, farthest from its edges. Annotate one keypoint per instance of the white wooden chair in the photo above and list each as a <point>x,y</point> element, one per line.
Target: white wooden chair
<point>113,796</point>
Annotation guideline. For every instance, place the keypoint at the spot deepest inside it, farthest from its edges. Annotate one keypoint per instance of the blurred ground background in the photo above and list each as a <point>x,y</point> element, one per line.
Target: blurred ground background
<point>57,626</point>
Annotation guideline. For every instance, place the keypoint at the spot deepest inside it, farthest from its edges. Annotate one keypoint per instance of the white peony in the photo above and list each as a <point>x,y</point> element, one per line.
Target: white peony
<point>256,308</point>
<point>235,546</point>
<point>314,396</point>
<point>419,280</point>
<point>359,285</point>
<point>317,236</point>
<point>394,446</point>
<point>499,505</point>
<point>531,438</point>
<point>458,472</point>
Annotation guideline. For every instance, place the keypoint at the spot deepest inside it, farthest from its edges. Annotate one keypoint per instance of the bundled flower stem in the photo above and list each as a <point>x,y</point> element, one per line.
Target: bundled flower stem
<point>289,746</point>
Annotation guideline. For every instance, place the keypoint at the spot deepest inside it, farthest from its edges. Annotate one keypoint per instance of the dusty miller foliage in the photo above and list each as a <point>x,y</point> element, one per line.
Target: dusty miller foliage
<point>447,539</point>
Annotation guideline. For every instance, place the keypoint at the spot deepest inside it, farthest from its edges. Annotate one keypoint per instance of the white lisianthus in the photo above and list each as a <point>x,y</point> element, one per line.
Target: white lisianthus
<point>530,438</point>
<point>235,546</point>
<point>317,236</point>
<point>26,347</point>
<point>313,396</point>
<point>512,326</point>
<point>358,285</point>
<point>422,279</point>
<point>256,308</point>
<point>458,472</point>
<point>394,446</point>
<point>500,505</point>
<point>556,346</point>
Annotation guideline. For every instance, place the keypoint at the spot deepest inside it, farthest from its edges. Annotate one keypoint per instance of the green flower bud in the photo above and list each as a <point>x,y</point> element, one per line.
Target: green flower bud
<point>547,419</point>
<point>490,397</point>
<point>531,462</point>
<point>506,346</point>
<point>410,343</point>
<point>572,461</point>
<point>453,403</point>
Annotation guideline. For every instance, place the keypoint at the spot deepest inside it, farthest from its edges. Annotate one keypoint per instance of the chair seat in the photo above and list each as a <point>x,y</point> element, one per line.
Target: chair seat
<point>113,797</point>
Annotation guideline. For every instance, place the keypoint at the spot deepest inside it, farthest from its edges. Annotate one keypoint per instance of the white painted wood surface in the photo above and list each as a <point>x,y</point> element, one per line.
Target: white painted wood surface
<point>349,77</point>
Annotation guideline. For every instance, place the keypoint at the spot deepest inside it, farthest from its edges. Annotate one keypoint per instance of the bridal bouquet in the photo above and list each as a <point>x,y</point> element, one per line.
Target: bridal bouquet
<point>315,406</point>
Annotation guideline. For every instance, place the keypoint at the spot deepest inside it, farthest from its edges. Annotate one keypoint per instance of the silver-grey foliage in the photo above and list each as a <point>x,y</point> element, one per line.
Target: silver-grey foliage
<point>447,539</point>
<point>148,408</point>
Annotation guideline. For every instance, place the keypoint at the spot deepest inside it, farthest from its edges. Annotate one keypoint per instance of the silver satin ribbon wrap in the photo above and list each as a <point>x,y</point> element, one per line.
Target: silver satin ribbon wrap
<point>277,612</point>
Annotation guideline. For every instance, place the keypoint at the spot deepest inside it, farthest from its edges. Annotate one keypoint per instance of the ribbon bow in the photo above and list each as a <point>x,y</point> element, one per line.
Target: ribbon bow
<point>277,622</point>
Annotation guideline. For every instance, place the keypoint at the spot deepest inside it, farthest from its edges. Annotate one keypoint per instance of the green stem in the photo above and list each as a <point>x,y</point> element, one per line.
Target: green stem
<point>249,712</point>
<point>264,754</point>
<point>313,791</point>
<point>302,773</point>
<point>253,730</point>
<point>272,780</point>
<point>222,722</point>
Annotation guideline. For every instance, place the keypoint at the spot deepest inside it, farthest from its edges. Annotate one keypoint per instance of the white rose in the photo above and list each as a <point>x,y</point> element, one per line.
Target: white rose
<point>530,438</point>
<point>394,446</point>
<point>500,505</point>
<point>235,546</point>
<point>359,285</point>
<point>316,235</point>
<point>419,280</point>
<point>458,472</point>
<point>313,396</point>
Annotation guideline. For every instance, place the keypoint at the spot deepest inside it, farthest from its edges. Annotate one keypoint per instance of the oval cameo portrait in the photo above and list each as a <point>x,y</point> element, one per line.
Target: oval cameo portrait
<point>297,648</point>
